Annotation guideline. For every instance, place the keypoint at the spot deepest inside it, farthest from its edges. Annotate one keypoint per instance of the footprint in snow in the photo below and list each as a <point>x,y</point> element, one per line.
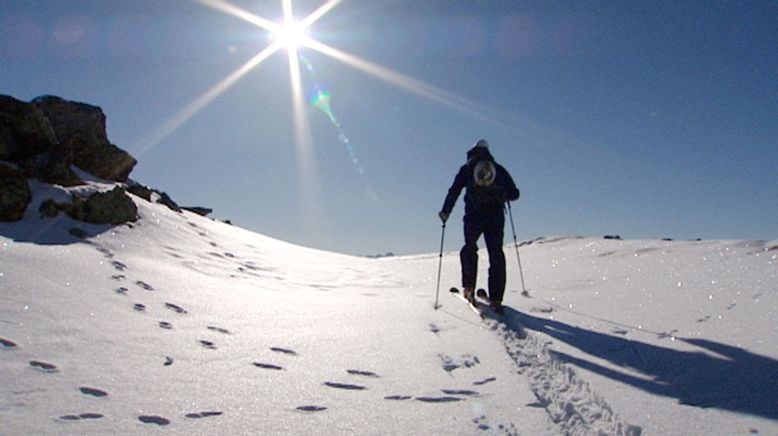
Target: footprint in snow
<point>122,290</point>
<point>139,307</point>
<point>168,361</point>
<point>362,373</point>
<point>485,381</point>
<point>438,399</point>
<point>451,364</point>
<point>118,277</point>
<point>176,308</point>
<point>119,266</point>
<point>207,344</point>
<point>397,397</point>
<point>166,325</point>
<point>43,366</point>
<point>153,419</point>
<point>345,386</point>
<point>144,285</point>
<point>105,252</point>
<point>199,415</point>
<point>461,392</point>
<point>5,344</point>
<point>268,366</point>
<point>311,408</point>
<point>218,329</point>
<point>81,416</point>
<point>99,393</point>
<point>283,351</point>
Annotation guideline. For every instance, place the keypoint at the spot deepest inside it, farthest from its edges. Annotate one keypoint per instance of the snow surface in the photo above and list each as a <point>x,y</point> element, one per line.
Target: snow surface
<point>183,325</point>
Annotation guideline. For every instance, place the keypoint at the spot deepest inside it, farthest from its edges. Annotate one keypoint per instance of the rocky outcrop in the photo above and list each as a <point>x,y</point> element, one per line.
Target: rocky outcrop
<point>50,134</point>
<point>49,137</point>
<point>14,193</point>
<point>80,129</point>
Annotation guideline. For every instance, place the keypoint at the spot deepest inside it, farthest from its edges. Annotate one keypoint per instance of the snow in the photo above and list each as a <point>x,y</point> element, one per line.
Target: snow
<point>185,325</point>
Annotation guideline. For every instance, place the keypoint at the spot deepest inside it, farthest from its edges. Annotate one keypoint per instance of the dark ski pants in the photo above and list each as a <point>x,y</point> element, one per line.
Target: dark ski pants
<point>491,226</point>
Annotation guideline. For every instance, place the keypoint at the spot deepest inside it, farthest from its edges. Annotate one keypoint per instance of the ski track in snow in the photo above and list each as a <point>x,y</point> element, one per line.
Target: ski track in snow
<point>568,400</point>
<point>570,403</point>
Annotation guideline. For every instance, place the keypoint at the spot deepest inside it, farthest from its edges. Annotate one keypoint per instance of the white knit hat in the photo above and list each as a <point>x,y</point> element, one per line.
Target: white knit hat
<point>481,143</point>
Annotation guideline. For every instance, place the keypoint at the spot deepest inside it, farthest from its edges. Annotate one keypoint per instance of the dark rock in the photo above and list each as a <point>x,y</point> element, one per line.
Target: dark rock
<point>81,128</point>
<point>15,193</point>
<point>167,201</point>
<point>146,193</point>
<point>202,211</point>
<point>112,207</point>
<point>24,130</point>
<point>54,167</point>
<point>49,209</point>
<point>141,191</point>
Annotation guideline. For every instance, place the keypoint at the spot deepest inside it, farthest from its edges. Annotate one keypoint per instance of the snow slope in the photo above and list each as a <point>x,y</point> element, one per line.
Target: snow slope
<point>183,325</point>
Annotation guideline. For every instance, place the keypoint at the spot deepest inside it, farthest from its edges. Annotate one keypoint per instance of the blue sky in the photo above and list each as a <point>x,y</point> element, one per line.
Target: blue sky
<point>647,119</point>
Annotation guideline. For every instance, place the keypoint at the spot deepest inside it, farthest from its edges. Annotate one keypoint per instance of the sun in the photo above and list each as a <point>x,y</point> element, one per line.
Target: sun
<point>290,35</point>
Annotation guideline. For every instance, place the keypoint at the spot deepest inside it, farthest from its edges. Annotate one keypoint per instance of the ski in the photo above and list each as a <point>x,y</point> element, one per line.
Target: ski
<point>477,308</point>
<point>482,308</point>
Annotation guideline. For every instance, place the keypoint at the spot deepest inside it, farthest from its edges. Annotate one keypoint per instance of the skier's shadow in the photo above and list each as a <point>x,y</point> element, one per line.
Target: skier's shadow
<point>728,377</point>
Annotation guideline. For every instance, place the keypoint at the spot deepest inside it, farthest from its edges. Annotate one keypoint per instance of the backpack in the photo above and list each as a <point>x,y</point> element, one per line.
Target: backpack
<point>482,187</point>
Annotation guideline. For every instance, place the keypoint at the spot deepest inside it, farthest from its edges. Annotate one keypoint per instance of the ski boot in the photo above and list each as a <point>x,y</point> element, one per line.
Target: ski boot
<point>469,294</point>
<point>497,307</point>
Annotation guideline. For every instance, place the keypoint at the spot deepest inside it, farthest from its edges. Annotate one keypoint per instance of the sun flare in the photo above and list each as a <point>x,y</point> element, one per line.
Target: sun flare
<point>290,35</point>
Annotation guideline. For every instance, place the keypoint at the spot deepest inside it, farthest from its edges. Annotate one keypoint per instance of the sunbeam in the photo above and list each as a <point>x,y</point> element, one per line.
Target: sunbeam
<point>291,35</point>
<point>235,11</point>
<point>202,101</point>
<point>318,13</point>
<point>416,86</point>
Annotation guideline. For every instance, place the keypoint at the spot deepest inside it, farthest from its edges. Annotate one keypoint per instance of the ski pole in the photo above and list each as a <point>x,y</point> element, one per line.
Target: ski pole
<point>516,244</point>
<point>440,263</point>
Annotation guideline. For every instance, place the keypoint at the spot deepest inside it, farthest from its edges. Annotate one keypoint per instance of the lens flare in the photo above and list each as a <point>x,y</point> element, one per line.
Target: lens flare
<point>322,100</point>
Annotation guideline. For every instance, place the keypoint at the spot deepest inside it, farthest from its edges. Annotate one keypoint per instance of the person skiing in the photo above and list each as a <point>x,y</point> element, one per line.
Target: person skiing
<point>488,186</point>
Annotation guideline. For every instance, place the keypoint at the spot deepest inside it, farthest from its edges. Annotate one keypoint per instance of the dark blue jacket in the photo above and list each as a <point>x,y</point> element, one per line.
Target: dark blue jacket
<point>481,201</point>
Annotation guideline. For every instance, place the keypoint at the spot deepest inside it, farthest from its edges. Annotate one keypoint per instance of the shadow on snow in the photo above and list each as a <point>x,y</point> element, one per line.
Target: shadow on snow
<point>733,379</point>
<point>52,231</point>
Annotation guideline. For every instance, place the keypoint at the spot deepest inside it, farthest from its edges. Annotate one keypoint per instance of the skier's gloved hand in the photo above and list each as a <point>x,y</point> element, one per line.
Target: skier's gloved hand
<point>443,216</point>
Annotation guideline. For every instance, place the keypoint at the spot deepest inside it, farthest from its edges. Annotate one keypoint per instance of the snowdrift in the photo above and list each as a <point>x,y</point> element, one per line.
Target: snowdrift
<point>181,324</point>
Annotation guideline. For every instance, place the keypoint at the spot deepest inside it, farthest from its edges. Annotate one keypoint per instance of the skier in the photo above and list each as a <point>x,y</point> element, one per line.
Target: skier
<point>488,186</point>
